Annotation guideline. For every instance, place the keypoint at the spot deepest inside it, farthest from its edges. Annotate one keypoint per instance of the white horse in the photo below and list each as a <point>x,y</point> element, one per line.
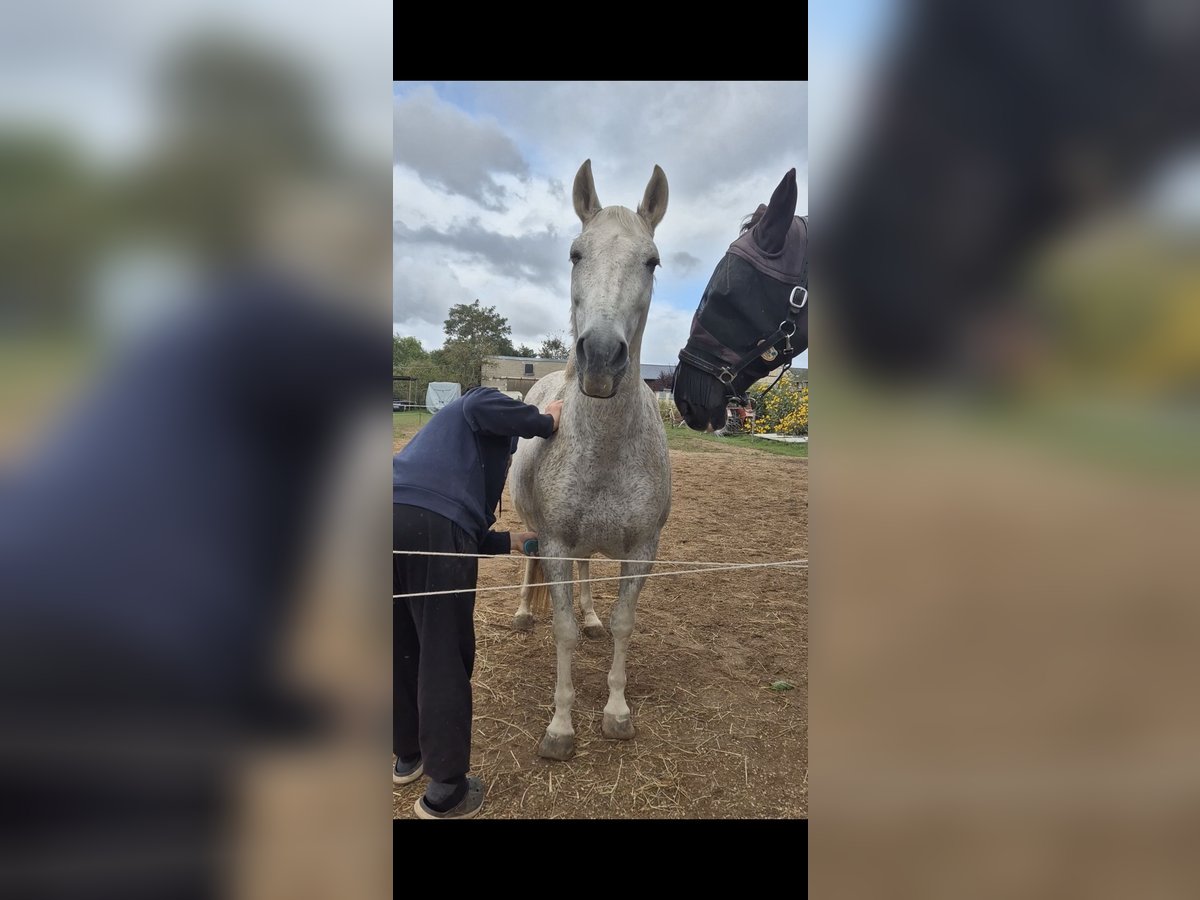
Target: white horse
<point>602,484</point>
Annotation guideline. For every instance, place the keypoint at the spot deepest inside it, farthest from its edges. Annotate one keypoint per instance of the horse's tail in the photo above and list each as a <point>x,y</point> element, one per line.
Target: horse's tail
<point>539,597</point>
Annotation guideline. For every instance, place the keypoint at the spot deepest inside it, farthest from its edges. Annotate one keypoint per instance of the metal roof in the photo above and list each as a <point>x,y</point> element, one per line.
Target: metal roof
<point>650,371</point>
<point>526,358</point>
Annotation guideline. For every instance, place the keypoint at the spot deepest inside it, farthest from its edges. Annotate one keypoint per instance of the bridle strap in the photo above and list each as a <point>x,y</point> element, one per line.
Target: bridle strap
<point>723,374</point>
<point>727,374</point>
<point>782,372</point>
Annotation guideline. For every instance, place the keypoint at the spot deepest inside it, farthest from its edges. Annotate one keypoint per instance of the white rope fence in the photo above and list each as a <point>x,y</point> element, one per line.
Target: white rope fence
<point>707,567</point>
<point>665,562</point>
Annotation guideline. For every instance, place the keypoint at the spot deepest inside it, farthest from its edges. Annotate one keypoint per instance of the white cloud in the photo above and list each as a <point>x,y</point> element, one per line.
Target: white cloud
<point>666,332</point>
<point>701,133</point>
<point>724,148</point>
<point>451,149</point>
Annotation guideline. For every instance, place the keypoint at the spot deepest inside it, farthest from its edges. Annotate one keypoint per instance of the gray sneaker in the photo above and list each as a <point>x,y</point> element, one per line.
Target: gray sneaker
<point>468,807</point>
<point>406,774</point>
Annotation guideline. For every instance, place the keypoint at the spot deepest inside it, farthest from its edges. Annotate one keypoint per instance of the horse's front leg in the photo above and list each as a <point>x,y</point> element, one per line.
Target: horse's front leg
<point>593,629</point>
<point>559,742</point>
<point>618,723</point>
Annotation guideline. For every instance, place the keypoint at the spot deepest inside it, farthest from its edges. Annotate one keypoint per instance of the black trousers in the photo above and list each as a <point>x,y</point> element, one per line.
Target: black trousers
<point>433,652</point>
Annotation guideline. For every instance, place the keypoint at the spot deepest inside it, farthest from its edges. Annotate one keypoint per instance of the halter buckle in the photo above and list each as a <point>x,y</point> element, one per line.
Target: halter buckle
<point>726,377</point>
<point>803,300</point>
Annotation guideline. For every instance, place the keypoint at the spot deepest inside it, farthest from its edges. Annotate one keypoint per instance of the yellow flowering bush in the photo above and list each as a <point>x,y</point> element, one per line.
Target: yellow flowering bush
<point>784,410</point>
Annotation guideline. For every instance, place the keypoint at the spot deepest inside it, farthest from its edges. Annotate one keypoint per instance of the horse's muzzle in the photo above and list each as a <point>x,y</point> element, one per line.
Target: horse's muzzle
<point>699,397</point>
<point>700,418</point>
<point>601,359</point>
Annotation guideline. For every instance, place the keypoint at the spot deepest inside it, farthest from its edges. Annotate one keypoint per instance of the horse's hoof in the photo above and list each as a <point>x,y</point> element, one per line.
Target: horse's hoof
<point>617,729</point>
<point>557,746</point>
<point>594,632</point>
<point>522,622</point>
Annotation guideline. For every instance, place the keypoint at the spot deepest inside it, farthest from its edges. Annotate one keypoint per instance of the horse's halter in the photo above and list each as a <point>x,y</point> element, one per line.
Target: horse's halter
<point>788,266</point>
<point>727,374</point>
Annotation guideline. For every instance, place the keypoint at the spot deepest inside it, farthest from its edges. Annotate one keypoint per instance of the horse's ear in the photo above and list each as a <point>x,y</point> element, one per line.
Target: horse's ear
<point>772,229</point>
<point>654,202</point>
<point>587,204</point>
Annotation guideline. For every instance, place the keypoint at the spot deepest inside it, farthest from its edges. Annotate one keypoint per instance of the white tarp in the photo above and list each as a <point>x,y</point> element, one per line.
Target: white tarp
<point>440,393</point>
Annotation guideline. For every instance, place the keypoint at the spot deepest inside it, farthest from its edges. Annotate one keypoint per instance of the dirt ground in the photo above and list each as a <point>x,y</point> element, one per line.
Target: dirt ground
<point>713,741</point>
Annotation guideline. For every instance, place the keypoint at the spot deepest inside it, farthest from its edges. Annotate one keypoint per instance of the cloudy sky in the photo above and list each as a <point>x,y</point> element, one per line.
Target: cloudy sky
<point>482,175</point>
<point>88,70</point>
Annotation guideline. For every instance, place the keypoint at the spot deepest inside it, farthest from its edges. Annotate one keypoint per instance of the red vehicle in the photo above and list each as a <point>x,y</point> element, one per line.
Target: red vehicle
<point>739,417</point>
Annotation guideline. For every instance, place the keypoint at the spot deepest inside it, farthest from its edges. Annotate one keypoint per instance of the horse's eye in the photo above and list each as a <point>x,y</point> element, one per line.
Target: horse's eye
<point>653,262</point>
<point>576,256</point>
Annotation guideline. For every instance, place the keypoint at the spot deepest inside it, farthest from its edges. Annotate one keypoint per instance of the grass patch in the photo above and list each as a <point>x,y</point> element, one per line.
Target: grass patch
<point>39,376</point>
<point>406,424</point>
<point>701,442</point>
<point>779,449</point>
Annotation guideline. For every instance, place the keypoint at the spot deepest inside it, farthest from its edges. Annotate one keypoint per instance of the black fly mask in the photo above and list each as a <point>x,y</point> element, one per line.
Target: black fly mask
<point>753,316</point>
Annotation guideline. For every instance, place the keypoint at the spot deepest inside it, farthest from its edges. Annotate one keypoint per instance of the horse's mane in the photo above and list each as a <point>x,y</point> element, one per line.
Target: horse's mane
<point>753,219</point>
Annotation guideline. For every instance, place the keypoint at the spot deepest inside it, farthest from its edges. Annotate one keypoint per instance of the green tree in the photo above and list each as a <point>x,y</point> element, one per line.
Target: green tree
<point>554,347</point>
<point>410,358</point>
<point>239,125</point>
<point>473,332</point>
<point>525,351</point>
<point>54,220</point>
<point>407,352</point>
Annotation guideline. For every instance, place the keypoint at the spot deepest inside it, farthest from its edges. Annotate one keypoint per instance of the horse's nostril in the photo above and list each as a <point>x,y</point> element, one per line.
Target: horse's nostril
<point>620,355</point>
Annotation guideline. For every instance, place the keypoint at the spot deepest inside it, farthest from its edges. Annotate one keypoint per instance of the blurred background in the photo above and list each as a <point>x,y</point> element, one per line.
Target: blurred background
<point>194,285</point>
<point>1005,493</point>
<point>194,260</point>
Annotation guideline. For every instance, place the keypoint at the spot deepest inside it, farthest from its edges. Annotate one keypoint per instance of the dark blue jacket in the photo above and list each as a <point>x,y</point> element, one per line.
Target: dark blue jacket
<point>150,549</point>
<point>456,465</point>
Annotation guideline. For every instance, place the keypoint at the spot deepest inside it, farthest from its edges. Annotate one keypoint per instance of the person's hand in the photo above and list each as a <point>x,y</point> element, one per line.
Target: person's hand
<point>554,410</point>
<point>517,540</point>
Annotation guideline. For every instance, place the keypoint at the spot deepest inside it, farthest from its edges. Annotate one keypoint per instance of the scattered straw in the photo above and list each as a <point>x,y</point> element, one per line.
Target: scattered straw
<point>695,671</point>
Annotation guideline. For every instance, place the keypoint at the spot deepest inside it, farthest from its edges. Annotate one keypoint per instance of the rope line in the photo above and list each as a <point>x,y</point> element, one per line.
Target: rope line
<point>665,562</point>
<point>793,563</point>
